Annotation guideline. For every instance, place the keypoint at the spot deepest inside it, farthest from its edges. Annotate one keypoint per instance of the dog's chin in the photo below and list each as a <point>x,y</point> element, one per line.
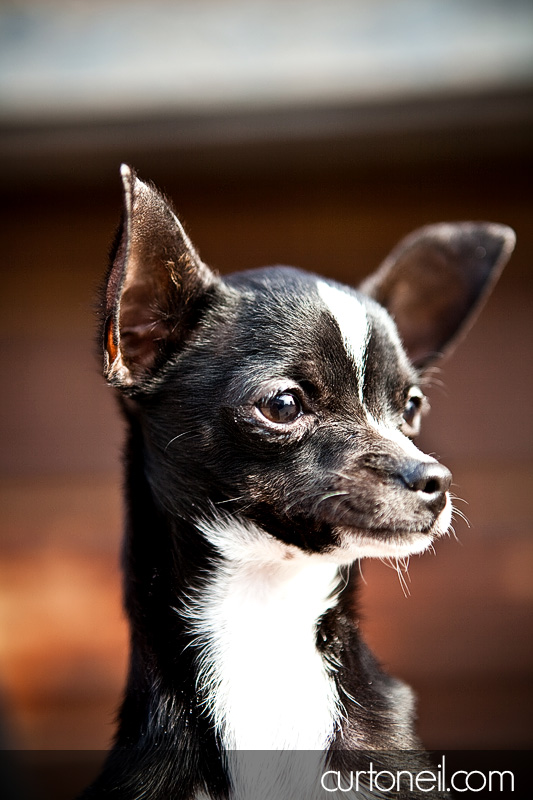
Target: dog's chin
<point>356,543</point>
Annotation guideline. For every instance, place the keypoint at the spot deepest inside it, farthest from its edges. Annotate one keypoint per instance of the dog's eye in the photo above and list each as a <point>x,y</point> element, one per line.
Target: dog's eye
<point>412,412</point>
<point>282,408</point>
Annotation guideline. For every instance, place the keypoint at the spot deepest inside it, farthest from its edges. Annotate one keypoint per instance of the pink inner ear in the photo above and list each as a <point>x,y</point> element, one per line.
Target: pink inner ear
<point>436,280</point>
<point>139,348</point>
<point>153,287</point>
<point>429,310</point>
<point>110,346</point>
<point>142,318</point>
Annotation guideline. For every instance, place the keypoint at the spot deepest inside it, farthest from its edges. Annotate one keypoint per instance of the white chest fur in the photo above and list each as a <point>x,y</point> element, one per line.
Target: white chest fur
<point>265,683</point>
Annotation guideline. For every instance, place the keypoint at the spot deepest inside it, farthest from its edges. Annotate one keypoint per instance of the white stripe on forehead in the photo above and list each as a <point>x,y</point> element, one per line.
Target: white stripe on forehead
<point>350,315</point>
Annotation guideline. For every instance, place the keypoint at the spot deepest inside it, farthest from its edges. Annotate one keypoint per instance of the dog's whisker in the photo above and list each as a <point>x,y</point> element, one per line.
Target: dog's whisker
<point>329,495</point>
<point>179,436</point>
<point>315,498</point>
<point>458,513</point>
<point>394,563</point>
<point>451,530</point>
<point>404,561</point>
<point>401,577</point>
<point>351,697</point>
<point>298,500</point>
<point>455,498</point>
<point>229,500</point>
<point>344,577</point>
<point>343,475</point>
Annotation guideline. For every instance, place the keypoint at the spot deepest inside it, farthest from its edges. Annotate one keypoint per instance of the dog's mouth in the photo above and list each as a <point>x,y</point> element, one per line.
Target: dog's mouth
<point>367,542</point>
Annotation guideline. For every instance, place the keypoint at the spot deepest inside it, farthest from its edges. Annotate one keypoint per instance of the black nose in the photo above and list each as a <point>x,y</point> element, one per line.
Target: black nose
<point>430,479</point>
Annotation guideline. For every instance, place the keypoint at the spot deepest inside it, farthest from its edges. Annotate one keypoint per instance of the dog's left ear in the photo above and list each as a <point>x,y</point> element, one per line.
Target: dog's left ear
<point>155,287</point>
<point>436,280</point>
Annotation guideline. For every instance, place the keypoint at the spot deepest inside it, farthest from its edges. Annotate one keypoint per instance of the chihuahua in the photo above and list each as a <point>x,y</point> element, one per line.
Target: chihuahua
<point>271,415</point>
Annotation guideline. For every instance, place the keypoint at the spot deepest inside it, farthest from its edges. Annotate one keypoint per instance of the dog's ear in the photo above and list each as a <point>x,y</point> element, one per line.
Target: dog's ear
<point>436,280</point>
<point>154,288</point>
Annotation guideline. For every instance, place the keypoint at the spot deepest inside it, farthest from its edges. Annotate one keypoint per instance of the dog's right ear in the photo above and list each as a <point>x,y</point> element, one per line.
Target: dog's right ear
<point>154,289</point>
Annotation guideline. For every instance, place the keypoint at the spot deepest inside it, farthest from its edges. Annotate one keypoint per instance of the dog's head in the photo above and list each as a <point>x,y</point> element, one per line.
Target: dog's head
<point>285,398</point>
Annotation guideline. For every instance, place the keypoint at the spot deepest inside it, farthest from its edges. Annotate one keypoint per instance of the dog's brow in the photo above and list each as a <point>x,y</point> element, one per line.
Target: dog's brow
<point>350,315</point>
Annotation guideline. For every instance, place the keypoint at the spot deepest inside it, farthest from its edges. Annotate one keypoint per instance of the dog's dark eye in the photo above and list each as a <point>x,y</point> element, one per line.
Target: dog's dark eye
<point>412,413</point>
<point>282,408</point>
<point>411,409</point>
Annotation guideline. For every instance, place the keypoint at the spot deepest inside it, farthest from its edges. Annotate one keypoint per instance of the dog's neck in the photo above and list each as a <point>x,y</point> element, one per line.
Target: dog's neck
<point>256,623</point>
<point>230,623</point>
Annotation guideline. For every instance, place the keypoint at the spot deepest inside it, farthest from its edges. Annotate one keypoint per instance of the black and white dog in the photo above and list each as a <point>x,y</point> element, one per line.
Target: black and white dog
<point>270,418</point>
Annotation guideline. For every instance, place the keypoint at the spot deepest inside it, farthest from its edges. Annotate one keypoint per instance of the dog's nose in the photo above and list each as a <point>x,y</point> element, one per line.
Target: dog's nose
<point>430,479</point>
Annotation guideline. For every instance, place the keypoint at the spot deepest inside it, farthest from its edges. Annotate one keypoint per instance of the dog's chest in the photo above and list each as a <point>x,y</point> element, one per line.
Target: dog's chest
<point>265,684</point>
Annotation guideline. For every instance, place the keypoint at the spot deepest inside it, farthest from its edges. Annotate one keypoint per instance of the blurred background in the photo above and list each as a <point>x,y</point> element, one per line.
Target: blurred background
<point>292,131</point>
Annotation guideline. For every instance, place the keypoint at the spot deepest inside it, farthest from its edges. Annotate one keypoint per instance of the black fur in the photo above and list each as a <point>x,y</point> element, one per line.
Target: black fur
<point>193,357</point>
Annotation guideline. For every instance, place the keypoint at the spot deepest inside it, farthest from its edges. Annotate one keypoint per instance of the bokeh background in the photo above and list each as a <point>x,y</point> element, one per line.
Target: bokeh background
<point>301,132</point>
